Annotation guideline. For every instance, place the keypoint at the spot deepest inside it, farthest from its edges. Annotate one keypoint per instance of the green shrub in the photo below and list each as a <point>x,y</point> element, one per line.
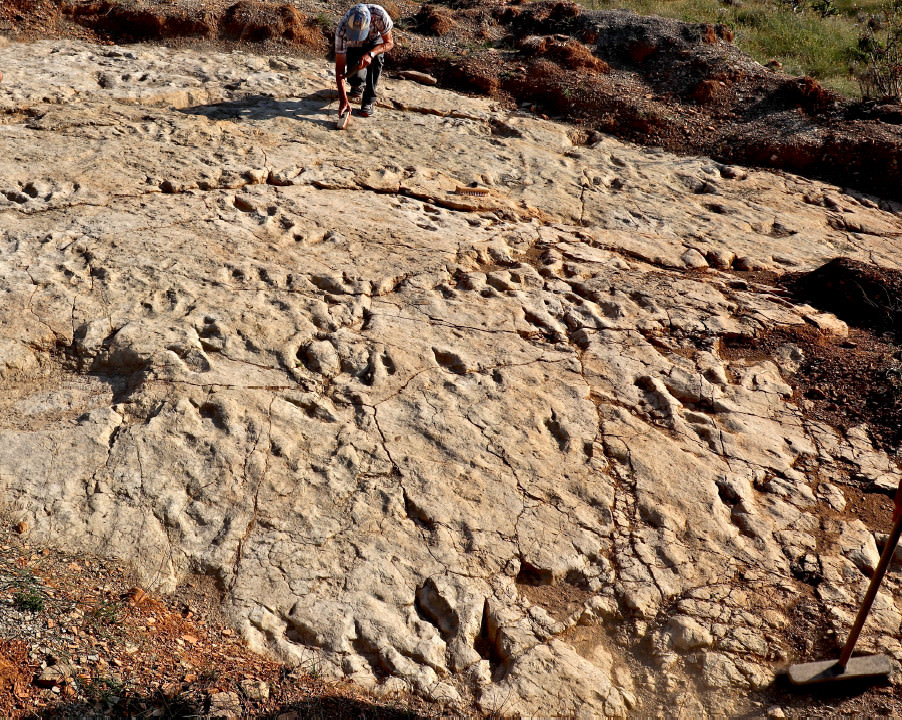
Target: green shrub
<point>28,598</point>
<point>880,51</point>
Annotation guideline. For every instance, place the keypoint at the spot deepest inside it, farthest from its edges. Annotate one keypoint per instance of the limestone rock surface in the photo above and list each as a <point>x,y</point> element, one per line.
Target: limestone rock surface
<point>486,447</point>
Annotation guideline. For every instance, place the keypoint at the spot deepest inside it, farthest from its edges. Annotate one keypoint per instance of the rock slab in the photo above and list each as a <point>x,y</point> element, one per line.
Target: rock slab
<point>486,447</point>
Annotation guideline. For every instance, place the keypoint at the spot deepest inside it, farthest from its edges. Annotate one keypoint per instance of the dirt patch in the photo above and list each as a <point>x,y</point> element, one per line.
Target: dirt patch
<point>841,381</point>
<point>875,510</point>
<point>559,601</point>
<point>15,673</point>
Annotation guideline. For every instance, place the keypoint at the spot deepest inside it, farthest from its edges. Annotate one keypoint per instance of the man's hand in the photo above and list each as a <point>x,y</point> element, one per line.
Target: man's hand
<point>343,102</point>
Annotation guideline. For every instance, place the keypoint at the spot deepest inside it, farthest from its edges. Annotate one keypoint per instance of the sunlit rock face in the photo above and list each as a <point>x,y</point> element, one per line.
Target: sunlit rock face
<point>490,447</point>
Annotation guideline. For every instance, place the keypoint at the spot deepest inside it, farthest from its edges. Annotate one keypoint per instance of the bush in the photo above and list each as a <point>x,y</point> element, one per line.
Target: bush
<point>28,598</point>
<point>880,48</point>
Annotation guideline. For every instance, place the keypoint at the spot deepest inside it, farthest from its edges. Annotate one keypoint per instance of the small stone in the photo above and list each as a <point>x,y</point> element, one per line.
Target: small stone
<point>746,264</point>
<point>225,705</point>
<point>828,324</point>
<point>686,634</point>
<point>731,172</point>
<point>136,596</point>
<point>53,675</point>
<point>692,258</point>
<point>857,544</point>
<point>419,77</point>
<point>832,495</point>
<point>721,259</point>
<point>255,689</point>
<point>21,527</point>
<point>775,711</point>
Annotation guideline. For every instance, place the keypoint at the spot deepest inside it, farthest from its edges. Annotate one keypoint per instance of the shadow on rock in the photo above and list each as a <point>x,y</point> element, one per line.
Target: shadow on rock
<point>227,705</point>
<point>311,108</point>
<point>800,700</point>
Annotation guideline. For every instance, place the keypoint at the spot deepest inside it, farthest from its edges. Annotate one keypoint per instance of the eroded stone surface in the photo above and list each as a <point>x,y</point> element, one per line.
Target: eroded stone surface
<point>387,416</point>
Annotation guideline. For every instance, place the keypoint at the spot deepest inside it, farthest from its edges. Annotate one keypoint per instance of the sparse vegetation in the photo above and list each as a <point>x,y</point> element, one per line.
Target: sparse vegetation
<point>325,21</point>
<point>104,690</point>
<point>819,38</point>
<point>26,593</point>
<point>28,598</point>
<point>880,46</point>
<point>103,616</point>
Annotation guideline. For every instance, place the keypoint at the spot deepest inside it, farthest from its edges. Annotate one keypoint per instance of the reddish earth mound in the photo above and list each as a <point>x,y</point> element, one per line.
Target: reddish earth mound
<point>570,54</point>
<point>431,20</point>
<point>256,21</point>
<point>112,19</point>
<point>253,21</point>
<point>863,295</point>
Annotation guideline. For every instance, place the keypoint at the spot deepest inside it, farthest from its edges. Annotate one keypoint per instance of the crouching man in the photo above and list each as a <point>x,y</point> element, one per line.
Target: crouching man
<point>361,39</point>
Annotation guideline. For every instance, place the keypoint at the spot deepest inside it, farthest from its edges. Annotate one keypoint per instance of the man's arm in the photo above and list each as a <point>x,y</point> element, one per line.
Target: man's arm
<point>383,47</point>
<point>343,102</point>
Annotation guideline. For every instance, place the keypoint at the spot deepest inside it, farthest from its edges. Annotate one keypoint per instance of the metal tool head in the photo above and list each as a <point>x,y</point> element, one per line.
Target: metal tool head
<point>864,668</point>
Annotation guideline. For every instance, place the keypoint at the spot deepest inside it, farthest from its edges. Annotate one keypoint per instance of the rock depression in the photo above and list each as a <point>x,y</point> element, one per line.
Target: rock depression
<point>492,448</point>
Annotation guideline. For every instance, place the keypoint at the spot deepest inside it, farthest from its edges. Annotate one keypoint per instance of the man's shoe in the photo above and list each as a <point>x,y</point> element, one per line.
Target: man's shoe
<point>356,93</point>
<point>368,110</point>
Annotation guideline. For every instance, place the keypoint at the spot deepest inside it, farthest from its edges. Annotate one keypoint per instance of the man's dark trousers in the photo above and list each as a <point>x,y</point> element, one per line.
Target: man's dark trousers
<point>369,76</point>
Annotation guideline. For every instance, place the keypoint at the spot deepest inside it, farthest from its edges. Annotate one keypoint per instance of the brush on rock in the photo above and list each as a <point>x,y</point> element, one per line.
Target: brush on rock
<point>864,668</point>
